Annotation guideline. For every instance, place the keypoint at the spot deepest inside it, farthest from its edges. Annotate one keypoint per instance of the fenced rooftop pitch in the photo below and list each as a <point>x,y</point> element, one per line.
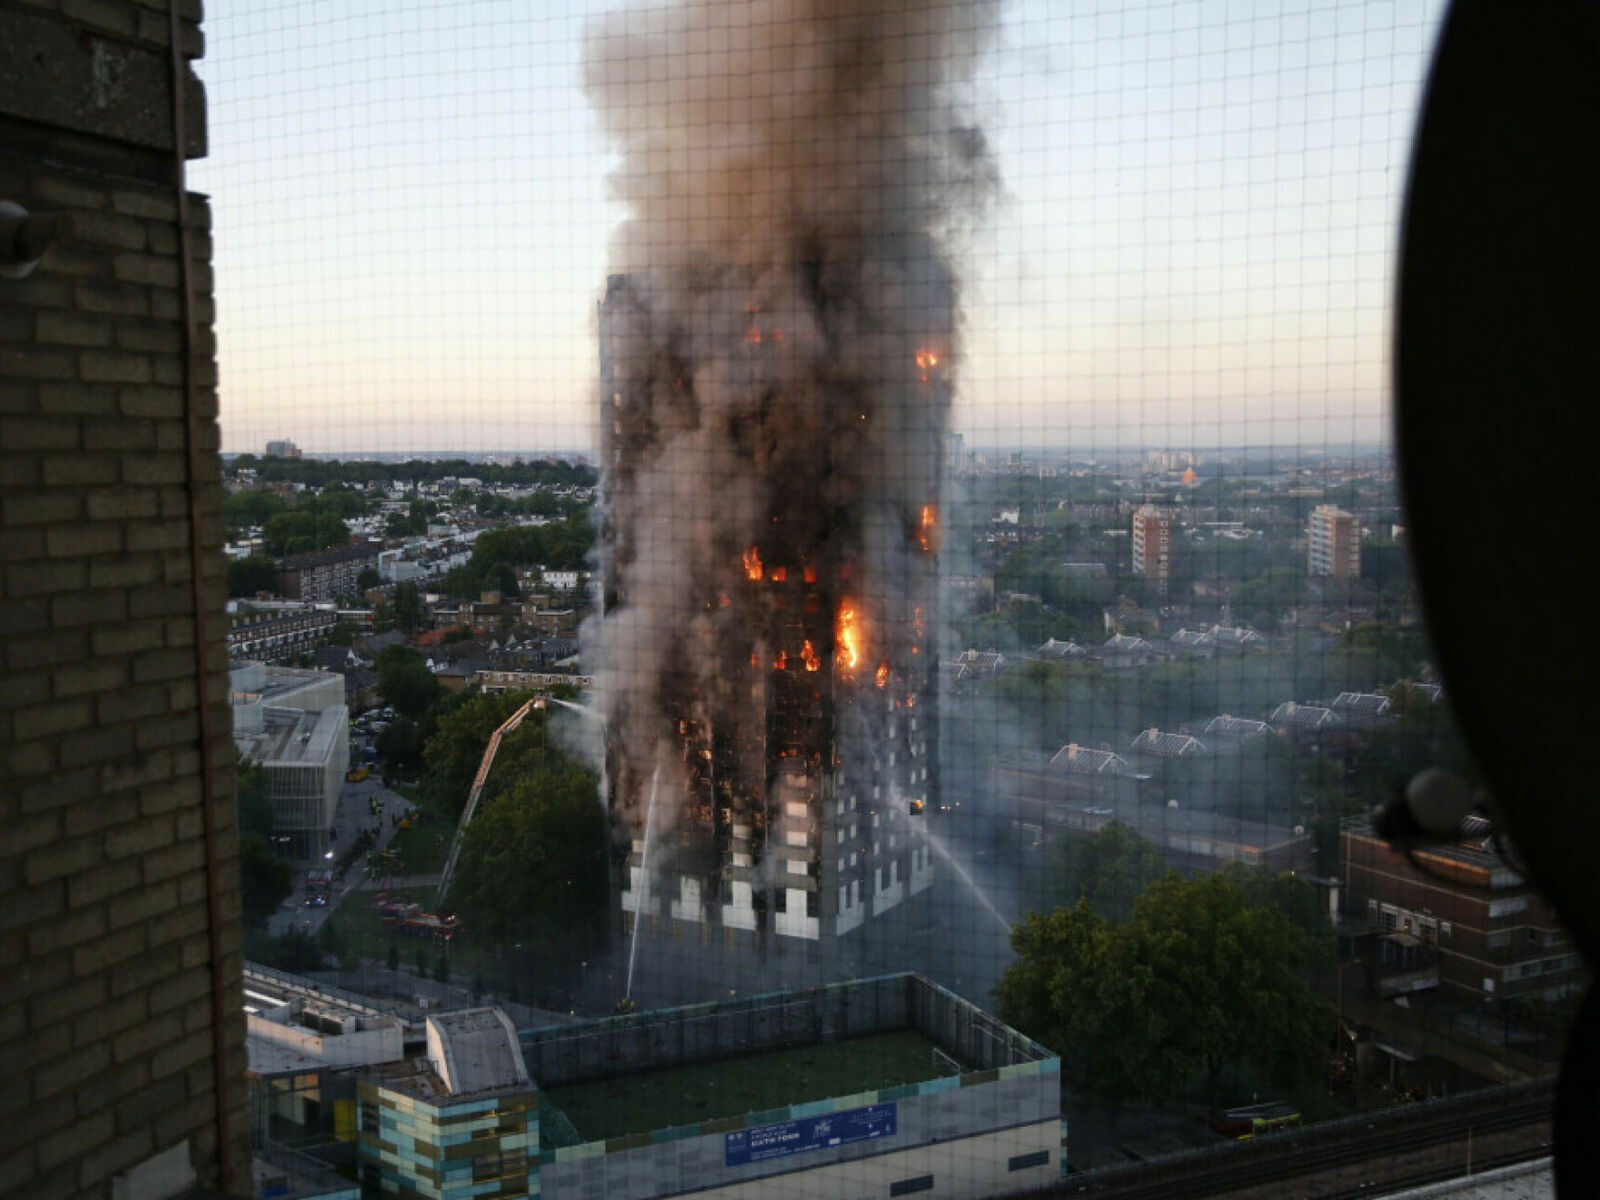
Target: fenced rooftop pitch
<point>758,1057</point>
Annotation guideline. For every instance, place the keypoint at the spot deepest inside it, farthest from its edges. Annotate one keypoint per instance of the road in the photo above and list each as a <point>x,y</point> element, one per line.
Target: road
<point>353,815</point>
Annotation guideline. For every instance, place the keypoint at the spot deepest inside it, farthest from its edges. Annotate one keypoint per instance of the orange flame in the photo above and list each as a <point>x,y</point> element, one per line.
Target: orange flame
<point>846,636</point>
<point>723,600</point>
<point>927,359</point>
<point>781,663</point>
<point>811,574</point>
<point>755,660</point>
<point>928,534</point>
<point>883,675</point>
<point>916,620</point>
<point>779,574</point>
<point>753,334</point>
<point>809,656</point>
<point>752,563</point>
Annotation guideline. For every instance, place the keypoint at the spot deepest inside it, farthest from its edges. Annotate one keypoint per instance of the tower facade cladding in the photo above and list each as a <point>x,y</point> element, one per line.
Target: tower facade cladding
<point>770,540</point>
<point>1152,546</point>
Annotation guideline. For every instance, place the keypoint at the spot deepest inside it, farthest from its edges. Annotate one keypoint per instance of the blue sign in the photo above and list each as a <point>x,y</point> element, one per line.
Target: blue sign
<point>808,1133</point>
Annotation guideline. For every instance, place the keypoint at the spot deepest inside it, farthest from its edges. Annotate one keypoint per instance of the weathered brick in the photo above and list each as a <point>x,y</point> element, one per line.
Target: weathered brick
<point>128,638</point>
<point>87,747</point>
<point>163,864</point>
<point>80,261</point>
<point>31,758</point>
<point>52,432</point>
<point>114,366</point>
<point>66,931</point>
<point>111,230</point>
<point>119,435</point>
<point>79,399</point>
<point>161,467</point>
<point>129,570</point>
<point>147,902</point>
<point>152,205</point>
<point>77,470</point>
<point>173,993</point>
<point>110,1157</point>
<point>74,1067</point>
<point>108,951</point>
<point>180,631</point>
<point>46,508</point>
<point>46,578</point>
<point>34,1121</point>
<point>138,838</point>
<point>73,329</point>
<point>160,338</point>
<point>36,362</point>
<point>71,541</point>
<point>100,813</point>
<point>25,835</point>
<point>47,649</point>
<point>96,675</point>
<point>38,903</point>
<point>74,1138</point>
<point>121,299</point>
<point>136,770</point>
<point>88,608</point>
<point>155,732</point>
<point>53,187</point>
<point>45,720</point>
<point>162,1095</point>
<point>146,269</point>
<point>157,1029</point>
<point>60,1003</point>
<point>127,504</point>
<point>24,689</point>
<point>157,665</point>
<point>126,1082</point>
<point>179,1054</point>
<point>163,403</point>
<point>156,963</point>
<point>111,879</point>
<point>19,472</point>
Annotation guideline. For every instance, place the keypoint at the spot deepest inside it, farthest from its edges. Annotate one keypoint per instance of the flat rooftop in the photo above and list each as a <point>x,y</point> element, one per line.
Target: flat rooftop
<point>732,1087</point>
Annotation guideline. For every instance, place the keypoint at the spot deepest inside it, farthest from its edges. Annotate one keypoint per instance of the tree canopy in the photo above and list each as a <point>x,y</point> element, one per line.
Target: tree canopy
<point>1197,980</point>
<point>1107,870</point>
<point>533,861</point>
<point>405,682</point>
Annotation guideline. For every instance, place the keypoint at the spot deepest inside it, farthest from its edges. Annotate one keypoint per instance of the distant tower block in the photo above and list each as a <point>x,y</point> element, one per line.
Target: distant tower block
<point>1152,546</point>
<point>1334,538</point>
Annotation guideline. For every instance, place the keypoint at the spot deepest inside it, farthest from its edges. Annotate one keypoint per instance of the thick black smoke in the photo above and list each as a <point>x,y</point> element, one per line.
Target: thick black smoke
<point>777,346</point>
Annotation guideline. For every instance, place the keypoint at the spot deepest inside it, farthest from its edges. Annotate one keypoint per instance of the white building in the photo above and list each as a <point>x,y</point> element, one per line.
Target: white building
<point>295,724</point>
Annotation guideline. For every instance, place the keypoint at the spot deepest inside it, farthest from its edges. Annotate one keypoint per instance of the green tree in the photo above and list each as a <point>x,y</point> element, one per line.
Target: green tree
<point>400,746</point>
<point>1198,980</point>
<point>368,578</point>
<point>265,880</point>
<point>456,746</point>
<point>533,861</point>
<point>247,576</point>
<point>405,682</point>
<point>255,801</point>
<point>409,615</point>
<point>1108,870</point>
<point>1264,600</point>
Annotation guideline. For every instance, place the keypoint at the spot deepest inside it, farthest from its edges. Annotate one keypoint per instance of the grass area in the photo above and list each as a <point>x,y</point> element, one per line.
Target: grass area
<point>423,847</point>
<point>359,926</point>
<point>732,1087</point>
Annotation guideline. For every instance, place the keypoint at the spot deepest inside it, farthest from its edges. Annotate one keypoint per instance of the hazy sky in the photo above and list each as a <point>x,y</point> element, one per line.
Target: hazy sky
<point>1195,242</point>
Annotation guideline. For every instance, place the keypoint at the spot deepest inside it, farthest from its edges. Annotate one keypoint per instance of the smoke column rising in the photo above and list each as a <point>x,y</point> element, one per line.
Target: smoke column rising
<point>777,350</point>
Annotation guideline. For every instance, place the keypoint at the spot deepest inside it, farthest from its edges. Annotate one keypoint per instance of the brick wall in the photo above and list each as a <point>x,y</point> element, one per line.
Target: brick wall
<point>107,957</point>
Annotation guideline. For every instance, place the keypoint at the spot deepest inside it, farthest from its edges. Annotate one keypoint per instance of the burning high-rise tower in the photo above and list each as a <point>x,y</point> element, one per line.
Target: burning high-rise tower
<point>775,385</point>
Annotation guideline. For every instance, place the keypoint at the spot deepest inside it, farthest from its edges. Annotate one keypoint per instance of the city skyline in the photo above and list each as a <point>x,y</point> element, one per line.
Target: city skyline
<point>1193,244</point>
